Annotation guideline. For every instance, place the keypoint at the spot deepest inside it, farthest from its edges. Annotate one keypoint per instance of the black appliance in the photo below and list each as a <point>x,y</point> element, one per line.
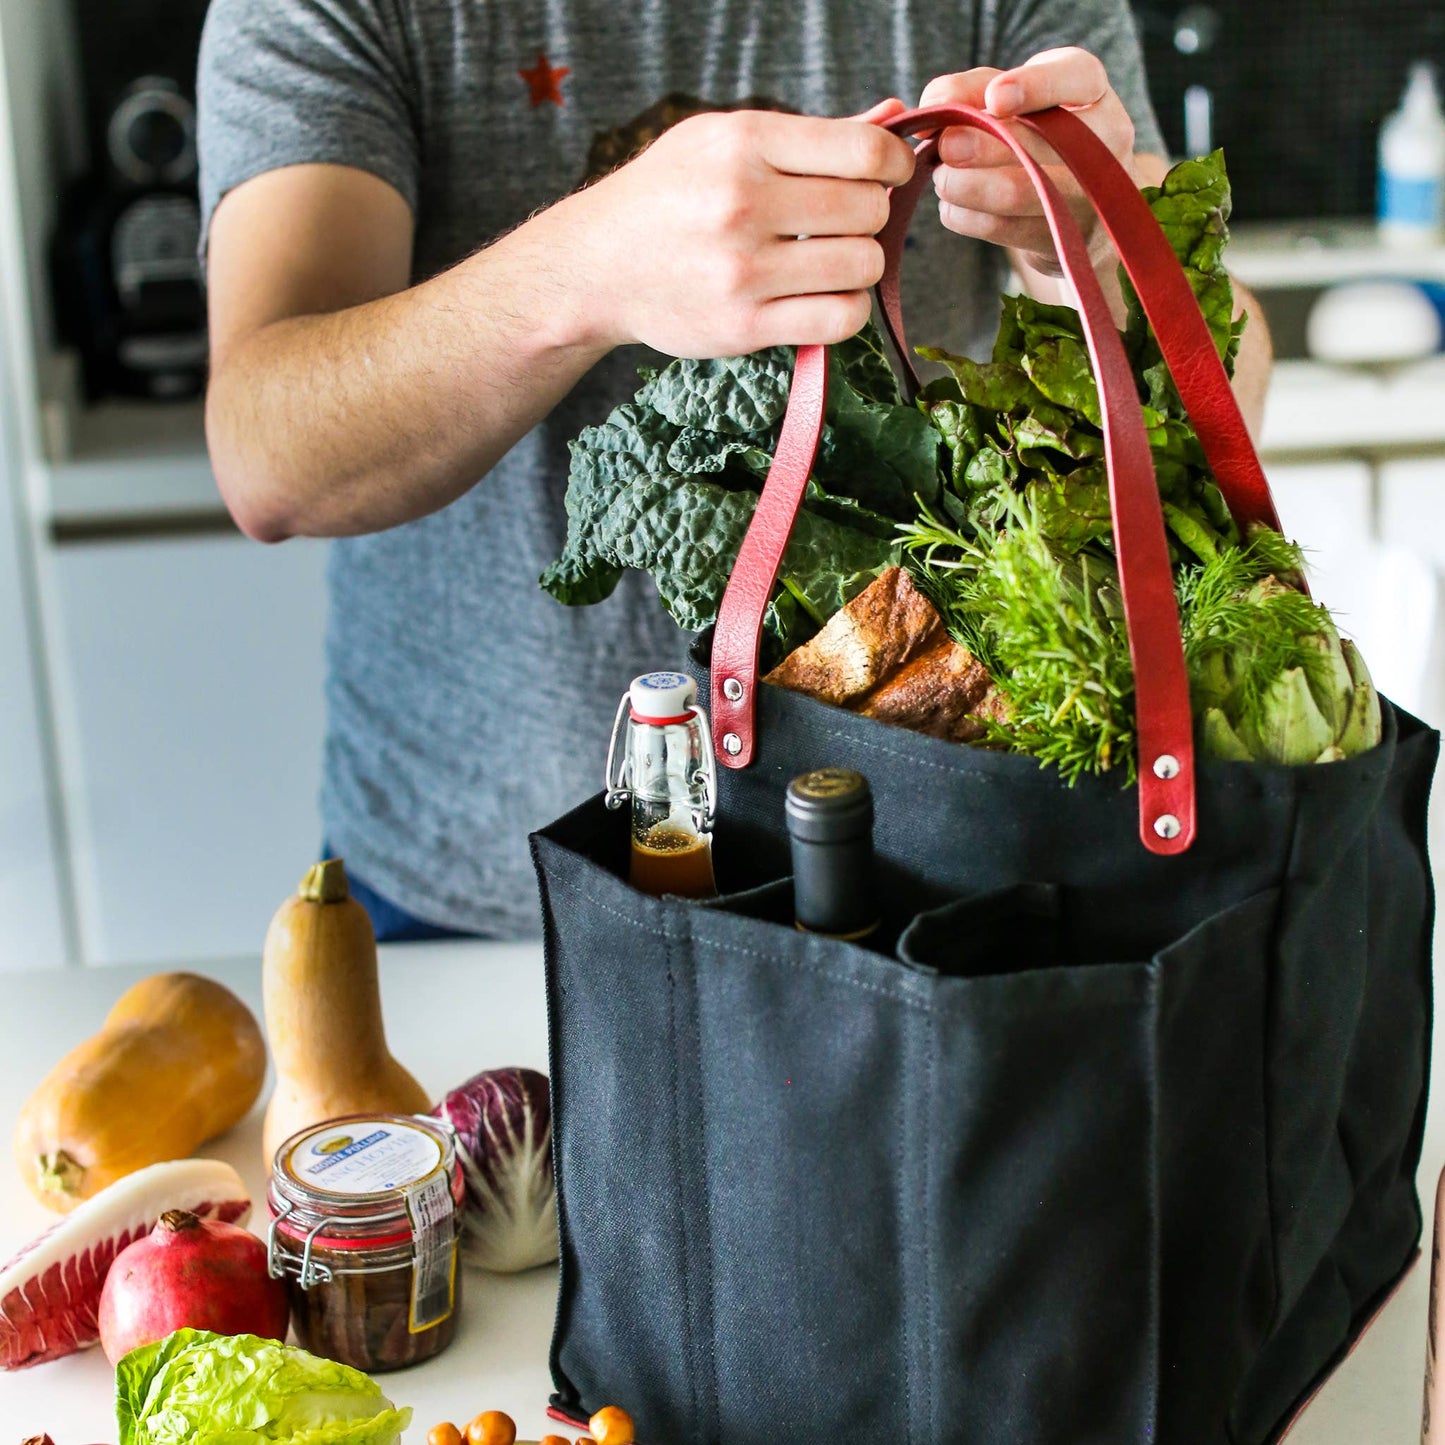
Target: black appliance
<point>129,291</point>
<point>1295,90</point>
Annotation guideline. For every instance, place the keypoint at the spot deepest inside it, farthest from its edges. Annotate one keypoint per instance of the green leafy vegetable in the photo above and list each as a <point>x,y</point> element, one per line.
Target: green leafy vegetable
<point>198,1388</point>
<point>1047,629</point>
<point>669,482</point>
<point>1031,414</point>
<point>731,395</point>
<point>865,367</point>
<point>880,454</point>
<point>994,486</point>
<point>1272,680</point>
<point>1192,206</point>
<point>1020,561</point>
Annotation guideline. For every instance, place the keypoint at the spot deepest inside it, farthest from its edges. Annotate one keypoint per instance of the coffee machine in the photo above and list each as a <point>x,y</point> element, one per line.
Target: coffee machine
<point>128,284</point>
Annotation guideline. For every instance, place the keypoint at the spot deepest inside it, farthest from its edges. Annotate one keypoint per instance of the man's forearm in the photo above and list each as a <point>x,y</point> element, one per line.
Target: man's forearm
<point>1253,365</point>
<point>349,422</point>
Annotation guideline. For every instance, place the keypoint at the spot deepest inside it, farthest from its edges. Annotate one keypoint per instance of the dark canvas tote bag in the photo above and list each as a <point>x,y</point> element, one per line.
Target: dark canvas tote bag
<point>1117,1143</point>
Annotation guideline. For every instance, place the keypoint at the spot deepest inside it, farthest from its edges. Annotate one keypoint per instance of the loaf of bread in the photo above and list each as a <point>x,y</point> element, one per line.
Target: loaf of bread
<point>887,655</point>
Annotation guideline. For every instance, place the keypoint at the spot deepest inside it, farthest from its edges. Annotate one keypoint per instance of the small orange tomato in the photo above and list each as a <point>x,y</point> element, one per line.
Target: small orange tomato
<point>444,1434</point>
<point>612,1425</point>
<point>492,1427</point>
<point>554,1440</point>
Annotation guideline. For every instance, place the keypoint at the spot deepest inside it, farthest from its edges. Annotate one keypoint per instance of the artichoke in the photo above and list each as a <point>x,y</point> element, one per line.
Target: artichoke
<point>1293,693</point>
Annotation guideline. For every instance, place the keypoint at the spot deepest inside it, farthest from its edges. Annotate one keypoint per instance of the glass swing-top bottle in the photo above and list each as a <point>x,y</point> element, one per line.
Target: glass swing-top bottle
<point>661,759</point>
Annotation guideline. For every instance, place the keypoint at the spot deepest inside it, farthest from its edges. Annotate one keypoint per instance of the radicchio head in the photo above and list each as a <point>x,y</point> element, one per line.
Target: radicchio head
<point>503,1119</point>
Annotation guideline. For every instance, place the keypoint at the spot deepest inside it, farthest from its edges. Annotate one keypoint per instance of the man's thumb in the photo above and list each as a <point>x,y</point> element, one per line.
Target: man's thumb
<point>884,110</point>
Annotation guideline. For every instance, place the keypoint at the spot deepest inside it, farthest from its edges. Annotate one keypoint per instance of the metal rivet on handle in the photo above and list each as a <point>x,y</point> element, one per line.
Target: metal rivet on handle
<point>732,744</point>
<point>1166,765</point>
<point>732,690</point>
<point>1166,825</point>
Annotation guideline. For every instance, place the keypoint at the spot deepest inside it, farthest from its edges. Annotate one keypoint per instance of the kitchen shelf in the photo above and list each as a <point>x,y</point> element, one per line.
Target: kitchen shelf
<point>129,467</point>
<point>1317,410</point>
<point>1321,253</point>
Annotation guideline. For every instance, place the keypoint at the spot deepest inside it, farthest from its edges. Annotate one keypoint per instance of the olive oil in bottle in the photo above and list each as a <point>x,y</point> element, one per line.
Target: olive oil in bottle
<point>661,761</point>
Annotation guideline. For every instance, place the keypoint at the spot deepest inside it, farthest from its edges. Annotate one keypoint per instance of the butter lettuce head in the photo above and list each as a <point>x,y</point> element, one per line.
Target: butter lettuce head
<point>198,1388</point>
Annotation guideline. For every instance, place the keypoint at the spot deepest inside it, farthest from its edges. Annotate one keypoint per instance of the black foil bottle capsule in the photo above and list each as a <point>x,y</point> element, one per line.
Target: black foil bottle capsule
<point>830,823</point>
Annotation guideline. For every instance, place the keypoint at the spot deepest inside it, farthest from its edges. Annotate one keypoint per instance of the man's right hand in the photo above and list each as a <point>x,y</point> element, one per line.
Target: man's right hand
<point>739,230</point>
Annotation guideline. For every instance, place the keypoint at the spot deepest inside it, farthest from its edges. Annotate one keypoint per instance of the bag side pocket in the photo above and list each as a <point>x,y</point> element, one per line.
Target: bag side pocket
<point>804,1060</point>
<point>1042,1211</point>
<point>1000,932</point>
<point>1218,1298</point>
<point>625,1311</point>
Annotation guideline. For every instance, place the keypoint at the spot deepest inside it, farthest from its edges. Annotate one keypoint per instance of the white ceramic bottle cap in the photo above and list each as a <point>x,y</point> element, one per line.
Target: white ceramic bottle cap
<point>661,695</point>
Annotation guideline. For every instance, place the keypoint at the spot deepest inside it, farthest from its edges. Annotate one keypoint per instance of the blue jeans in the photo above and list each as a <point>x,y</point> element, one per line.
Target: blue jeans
<point>390,922</point>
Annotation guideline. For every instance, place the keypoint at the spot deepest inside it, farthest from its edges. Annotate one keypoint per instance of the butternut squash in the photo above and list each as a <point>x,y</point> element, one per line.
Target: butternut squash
<point>323,1013</point>
<point>178,1060</point>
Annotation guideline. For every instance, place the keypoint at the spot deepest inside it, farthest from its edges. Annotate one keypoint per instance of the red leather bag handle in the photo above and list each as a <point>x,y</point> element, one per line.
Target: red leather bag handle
<point>1165,725</point>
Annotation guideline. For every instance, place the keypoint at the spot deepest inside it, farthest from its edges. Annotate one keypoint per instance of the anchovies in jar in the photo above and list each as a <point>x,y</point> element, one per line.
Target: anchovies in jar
<point>365,1220</point>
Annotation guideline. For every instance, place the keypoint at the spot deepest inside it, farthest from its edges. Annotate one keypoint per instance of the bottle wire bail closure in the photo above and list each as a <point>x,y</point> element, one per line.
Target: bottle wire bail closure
<point>618,781</point>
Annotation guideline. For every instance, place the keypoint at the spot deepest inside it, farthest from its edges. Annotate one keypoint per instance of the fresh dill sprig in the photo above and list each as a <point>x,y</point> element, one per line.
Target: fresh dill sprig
<point>944,565</point>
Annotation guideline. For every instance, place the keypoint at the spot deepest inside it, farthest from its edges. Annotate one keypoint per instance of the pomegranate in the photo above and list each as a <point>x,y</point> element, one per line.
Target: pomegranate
<point>194,1273</point>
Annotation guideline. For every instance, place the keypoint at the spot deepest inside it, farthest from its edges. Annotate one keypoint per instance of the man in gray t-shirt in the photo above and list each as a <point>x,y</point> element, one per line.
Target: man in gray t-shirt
<point>415,304</point>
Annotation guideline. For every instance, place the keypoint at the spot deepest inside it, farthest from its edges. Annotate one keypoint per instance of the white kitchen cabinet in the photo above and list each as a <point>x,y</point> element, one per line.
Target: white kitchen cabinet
<point>1412,504</point>
<point>1327,508</point>
<point>1375,540</point>
<point>33,914</point>
<point>189,681</point>
<point>1412,520</point>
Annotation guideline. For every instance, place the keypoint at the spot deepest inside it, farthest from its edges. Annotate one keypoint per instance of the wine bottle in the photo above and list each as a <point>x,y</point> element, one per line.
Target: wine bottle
<point>830,823</point>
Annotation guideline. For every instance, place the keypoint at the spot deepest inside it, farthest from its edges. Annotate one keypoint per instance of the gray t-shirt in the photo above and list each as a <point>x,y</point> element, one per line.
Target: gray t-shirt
<point>465,707</point>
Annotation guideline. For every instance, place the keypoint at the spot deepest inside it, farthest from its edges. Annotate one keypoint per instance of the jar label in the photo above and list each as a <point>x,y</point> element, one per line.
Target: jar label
<point>361,1157</point>
<point>433,1282</point>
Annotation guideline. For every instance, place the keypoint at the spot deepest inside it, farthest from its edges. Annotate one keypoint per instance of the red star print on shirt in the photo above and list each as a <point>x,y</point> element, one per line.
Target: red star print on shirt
<point>545,80</point>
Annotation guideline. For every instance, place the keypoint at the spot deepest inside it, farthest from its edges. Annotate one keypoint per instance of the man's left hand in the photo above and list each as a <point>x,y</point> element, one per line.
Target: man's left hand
<point>983,191</point>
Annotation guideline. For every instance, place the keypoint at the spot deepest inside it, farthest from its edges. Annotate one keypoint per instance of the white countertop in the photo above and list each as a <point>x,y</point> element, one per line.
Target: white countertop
<point>453,1009</point>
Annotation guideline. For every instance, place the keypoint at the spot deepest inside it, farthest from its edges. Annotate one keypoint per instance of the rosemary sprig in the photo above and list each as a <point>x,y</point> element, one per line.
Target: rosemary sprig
<point>1046,628</point>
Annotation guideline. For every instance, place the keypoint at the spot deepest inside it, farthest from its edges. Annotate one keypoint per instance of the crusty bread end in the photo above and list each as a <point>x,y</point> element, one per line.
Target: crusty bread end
<point>887,655</point>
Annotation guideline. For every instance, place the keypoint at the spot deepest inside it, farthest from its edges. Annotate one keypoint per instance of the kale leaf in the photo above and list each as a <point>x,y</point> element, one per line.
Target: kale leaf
<point>668,484</point>
<point>730,395</point>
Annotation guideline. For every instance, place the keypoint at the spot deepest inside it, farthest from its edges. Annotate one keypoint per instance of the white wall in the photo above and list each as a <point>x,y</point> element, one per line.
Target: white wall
<point>35,917</point>
<point>37,48</point>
